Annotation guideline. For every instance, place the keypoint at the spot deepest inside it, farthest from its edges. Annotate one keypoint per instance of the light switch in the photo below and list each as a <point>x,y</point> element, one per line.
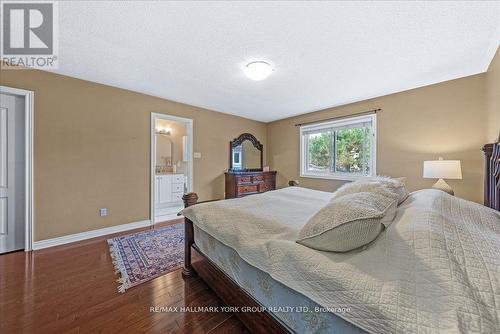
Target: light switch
<point>197,155</point>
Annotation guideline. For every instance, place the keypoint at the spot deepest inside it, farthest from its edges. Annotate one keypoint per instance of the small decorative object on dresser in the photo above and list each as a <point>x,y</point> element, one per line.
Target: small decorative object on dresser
<point>245,175</point>
<point>442,169</point>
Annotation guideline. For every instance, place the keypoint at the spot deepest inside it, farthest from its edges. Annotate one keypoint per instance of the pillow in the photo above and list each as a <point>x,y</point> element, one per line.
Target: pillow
<point>348,222</point>
<point>387,186</point>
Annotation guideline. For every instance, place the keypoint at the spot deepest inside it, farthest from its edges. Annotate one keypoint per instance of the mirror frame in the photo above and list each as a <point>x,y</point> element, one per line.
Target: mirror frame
<point>237,142</point>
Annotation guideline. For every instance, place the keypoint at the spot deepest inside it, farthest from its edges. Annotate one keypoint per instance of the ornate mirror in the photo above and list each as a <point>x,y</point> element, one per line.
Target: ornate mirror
<point>245,153</point>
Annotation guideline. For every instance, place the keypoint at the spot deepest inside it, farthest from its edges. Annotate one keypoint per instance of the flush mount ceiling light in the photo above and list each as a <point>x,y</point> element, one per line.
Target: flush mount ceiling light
<point>258,70</point>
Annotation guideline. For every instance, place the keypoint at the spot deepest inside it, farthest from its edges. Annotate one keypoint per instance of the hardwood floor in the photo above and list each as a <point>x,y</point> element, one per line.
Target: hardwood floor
<point>73,289</point>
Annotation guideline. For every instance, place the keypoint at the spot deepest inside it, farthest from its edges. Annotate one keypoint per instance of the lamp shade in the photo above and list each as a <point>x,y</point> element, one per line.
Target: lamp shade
<point>442,169</point>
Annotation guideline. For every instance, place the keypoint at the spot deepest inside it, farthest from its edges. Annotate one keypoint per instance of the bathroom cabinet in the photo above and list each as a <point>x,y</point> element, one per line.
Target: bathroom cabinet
<point>169,190</point>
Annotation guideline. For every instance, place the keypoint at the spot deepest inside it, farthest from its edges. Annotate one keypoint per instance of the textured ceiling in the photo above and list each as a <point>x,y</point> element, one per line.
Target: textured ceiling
<point>324,53</point>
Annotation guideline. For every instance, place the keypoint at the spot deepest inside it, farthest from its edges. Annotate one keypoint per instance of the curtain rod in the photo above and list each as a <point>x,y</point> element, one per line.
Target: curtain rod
<point>367,112</point>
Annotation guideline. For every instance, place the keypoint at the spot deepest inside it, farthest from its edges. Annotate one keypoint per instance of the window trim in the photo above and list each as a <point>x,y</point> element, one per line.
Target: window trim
<point>330,124</point>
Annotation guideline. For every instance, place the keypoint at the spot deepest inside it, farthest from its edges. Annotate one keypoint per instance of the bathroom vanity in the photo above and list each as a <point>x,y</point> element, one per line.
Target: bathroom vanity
<point>169,188</point>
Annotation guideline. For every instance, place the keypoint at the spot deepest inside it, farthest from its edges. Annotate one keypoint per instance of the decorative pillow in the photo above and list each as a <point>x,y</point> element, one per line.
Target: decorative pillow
<point>348,222</point>
<point>387,186</point>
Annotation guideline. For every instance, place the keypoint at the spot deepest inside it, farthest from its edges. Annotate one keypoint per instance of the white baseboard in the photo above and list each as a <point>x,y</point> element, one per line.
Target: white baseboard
<point>160,218</point>
<point>89,234</point>
<point>168,210</point>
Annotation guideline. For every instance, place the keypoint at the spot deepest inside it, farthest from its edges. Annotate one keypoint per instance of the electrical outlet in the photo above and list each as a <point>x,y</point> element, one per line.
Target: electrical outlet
<point>103,212</point>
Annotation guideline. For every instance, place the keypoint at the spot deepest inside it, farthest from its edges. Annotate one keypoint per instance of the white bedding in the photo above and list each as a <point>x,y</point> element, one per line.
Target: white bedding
<point>435,269</point>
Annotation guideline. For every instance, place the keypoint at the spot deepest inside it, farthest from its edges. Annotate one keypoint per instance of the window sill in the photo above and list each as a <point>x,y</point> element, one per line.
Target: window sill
<point>334,177</point>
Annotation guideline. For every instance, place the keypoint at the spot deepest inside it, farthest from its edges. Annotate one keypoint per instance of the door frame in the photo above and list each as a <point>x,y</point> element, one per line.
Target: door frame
<point>28,157</point>
<point>189,130</point>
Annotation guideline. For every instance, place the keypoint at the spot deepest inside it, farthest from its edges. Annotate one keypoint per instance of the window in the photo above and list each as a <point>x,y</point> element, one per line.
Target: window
<point>342,149</point>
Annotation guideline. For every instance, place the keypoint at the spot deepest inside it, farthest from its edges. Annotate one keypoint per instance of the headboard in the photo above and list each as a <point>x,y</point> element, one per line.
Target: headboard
<point>492,175</point>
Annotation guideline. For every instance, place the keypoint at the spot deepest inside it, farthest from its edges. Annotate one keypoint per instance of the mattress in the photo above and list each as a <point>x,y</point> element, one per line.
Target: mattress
<point>297,312</point>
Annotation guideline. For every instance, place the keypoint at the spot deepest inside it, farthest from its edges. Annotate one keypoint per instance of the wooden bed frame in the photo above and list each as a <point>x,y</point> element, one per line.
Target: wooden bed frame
<point>492,175</point>
<point>197,263</point>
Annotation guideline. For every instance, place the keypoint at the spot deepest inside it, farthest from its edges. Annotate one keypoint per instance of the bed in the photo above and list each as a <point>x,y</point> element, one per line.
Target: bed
<point>435,269</point>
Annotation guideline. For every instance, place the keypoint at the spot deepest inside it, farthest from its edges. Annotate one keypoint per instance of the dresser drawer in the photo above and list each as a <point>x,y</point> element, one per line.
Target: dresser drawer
<point>257,178</point>
<point>243,179</point>
<point>178,178</point>
<point>177,196</point>
<point>266,186</point>
<point>178,187</point>
<point>252,188</point>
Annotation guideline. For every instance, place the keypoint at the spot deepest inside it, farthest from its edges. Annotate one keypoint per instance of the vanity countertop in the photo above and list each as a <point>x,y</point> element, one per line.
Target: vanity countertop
<point>169,173</point>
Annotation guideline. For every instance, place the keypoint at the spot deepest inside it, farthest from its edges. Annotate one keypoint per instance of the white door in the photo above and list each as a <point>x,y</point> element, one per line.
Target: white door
<point>11,175</point>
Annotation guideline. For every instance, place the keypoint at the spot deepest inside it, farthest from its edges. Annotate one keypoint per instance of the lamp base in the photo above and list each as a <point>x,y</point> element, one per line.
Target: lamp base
<point>442,185</point>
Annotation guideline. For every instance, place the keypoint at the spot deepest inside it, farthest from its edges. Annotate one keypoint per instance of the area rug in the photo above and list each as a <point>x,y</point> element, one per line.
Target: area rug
<point>142,256</point>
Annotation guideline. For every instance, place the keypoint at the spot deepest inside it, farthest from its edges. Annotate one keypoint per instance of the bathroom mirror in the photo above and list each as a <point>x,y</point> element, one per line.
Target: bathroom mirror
<point>245,153</point>
<point>163,150</point>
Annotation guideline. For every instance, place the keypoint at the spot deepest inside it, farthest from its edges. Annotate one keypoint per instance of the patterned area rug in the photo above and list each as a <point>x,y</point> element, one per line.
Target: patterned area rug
<point>142,256</point>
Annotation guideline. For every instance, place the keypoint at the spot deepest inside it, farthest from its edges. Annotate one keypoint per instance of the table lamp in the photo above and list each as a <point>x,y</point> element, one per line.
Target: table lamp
<point>442,169</point>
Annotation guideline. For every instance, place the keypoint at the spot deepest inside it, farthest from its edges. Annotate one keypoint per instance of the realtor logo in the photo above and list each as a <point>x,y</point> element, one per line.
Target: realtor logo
<point>29,34</point>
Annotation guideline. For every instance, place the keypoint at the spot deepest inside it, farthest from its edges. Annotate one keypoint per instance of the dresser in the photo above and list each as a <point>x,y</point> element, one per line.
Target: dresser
<point>240,184</point>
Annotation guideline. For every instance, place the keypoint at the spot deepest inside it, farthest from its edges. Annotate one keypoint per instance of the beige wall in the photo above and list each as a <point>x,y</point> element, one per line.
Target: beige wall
<point>445,119</point>
<point>493,98</point>
<point>92,150</point>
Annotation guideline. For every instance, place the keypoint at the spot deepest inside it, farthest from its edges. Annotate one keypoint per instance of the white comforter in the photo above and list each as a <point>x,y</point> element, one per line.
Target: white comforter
<point>435,269</point>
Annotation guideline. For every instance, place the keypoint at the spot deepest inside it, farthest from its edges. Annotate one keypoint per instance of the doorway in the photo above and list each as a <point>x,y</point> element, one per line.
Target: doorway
<point>171,165</point>
<point>16,171</point>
